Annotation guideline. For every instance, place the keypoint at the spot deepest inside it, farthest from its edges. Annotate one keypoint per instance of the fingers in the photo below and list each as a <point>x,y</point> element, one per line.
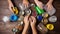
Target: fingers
<point>26,17</point>
<point>33,19</point>
<point>30,20</point>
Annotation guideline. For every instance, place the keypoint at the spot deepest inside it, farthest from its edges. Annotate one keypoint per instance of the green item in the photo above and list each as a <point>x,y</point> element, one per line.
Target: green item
<point>39,10</point>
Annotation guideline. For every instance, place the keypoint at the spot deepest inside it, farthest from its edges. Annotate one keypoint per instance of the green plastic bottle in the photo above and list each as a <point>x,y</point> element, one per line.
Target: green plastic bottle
<point>39,10</point>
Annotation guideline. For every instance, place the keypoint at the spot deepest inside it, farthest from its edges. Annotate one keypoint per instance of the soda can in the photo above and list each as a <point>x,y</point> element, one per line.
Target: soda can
<point>45,15</point>
<point>45,21</point>
<point>50,26</point>
<point>42,28</point>
<point>50,12</point>
<point>39,18</point>
<point>53,19</point>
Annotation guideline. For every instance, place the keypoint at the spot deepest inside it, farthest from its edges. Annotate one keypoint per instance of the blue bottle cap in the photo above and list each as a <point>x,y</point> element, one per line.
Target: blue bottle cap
<point>39,18</point>
<point>13,17</point>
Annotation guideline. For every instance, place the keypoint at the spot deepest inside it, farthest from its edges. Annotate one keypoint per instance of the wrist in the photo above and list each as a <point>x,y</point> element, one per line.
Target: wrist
<point>33,26</point>
<point>50,1</point>
<point>25,0</point>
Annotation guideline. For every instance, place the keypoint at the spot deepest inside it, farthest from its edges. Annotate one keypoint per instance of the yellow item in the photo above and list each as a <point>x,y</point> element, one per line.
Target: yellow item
<point>50,26</point>
<point>46,15</point>
<point>15,10</point>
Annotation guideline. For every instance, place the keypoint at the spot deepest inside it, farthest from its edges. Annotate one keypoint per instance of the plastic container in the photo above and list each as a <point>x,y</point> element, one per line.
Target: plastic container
<point>53,19</point>
<point>13,17</point>
<point>50,12</point>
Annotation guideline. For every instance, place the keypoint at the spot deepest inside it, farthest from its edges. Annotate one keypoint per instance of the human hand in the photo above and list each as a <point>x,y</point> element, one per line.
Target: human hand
<point>49,6</point>
<point>10,5</point>
<point>39,4</point>
<point>26,21</point>
<point>32,21</point>
<point>26,3</point>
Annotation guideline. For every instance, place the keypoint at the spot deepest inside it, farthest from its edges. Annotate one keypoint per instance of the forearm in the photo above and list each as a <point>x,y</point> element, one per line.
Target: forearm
<point>25,0</point>
<point>50,1</point>
<point>25,29</point>
<point>34,29</point>
<point>10,3</point>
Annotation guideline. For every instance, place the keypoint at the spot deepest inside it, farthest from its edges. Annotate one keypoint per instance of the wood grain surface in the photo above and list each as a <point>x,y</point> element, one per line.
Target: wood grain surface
<point>4,11</point>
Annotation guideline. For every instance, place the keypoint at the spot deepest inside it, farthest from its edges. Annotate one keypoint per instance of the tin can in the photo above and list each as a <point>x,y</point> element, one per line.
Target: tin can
<point>50,26</point>
<point>45,15</point>
<point>45,21</point>
<point>42,28</point>
<point>53,19</point>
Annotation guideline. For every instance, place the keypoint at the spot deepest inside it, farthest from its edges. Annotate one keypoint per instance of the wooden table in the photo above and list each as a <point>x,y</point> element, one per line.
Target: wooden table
<point>4,11</point>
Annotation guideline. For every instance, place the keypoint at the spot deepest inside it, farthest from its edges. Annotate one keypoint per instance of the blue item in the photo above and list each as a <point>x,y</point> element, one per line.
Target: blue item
<point>13,17</point>
<point>39,18</point>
